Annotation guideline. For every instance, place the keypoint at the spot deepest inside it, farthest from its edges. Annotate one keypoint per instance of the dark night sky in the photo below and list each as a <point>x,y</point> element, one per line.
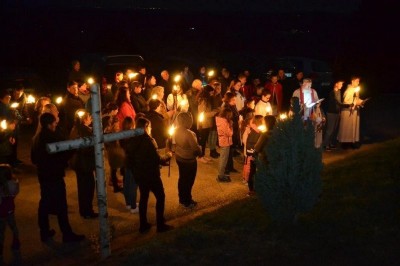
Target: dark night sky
<point>210,5</point>
<point>355,34</point>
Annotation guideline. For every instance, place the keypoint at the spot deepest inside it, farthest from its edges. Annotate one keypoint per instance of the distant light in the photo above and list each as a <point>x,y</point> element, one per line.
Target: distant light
<point>154,96</point>
<point>14,105</point>
<point>211,73</point>
<point>90,81</point>
<point>132,75</point>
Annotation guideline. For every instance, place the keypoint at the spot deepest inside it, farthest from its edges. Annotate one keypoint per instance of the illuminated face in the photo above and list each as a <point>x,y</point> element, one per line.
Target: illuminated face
<point>202,70</point>
<point>243,80</point>
<point>281,74</point>
<point>306,85</point>
<point>266,97</point>
<point>237,86</point>
<point>138,89</point>
<point>299,75</point>
<point>232,101</point>
<point>339,85</point>
<point>274,79</point>
<point>153,81</point>
<point>77,66</point>
<point>355,82</point>
<point>53,126</point>
<point>251,105</point>
<point>73,90</point>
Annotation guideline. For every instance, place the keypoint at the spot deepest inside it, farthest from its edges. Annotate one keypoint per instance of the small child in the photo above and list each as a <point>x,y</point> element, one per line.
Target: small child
<point>9,188</point>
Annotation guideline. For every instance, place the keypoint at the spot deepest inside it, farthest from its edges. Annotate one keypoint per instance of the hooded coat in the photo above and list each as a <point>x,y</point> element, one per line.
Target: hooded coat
<point>187,148</point>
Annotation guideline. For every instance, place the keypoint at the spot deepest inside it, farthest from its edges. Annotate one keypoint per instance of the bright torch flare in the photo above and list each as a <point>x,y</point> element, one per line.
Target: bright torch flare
<point>268,109</point>
<point>177,78</point>
<point>283,116</point>
<point>262,128</point>
<point>171,130</point>
<point>80,113</point>
<point>211,73</point>
<point>30,99</point>
<point>3,124</point>
<point>201,117</point>
<point>90,81</point>
<point>59,100</point>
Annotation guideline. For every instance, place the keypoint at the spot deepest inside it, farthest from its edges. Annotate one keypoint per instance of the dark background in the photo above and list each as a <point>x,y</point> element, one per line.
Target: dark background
<point>355,37</point>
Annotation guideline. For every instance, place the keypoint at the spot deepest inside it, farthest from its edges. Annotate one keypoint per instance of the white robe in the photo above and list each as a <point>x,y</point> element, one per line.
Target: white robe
<point>349,128</point>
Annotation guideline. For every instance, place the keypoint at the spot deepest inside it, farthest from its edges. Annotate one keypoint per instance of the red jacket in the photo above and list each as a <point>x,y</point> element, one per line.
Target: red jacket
<point>126,109</point>
<point>276,94</point>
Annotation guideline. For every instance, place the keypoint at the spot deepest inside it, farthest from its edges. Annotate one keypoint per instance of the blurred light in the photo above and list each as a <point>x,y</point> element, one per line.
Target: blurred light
<point>90,81</point>
<point>14,105</point>
<point>30,99</point>
<point>283,116</point>
<point>59,100</point>
<point>3,124</point>
<point>154,96</point>
<point>262,128</point>
<point>132,75</point>
<point>171,130</point>
<point>80,113</point>
<point>211,73</point>
<point>177,78</point>
<point>201,117</point>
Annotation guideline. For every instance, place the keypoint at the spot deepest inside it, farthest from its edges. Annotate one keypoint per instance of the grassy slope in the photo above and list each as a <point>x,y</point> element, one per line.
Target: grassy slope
<point>356,222</point>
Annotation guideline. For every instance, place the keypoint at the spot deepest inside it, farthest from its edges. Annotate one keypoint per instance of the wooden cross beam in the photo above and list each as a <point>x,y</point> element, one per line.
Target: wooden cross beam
<point>97,140</point>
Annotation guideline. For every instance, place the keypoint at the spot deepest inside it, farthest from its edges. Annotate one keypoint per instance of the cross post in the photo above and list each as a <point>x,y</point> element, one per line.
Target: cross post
<point>97,140</point>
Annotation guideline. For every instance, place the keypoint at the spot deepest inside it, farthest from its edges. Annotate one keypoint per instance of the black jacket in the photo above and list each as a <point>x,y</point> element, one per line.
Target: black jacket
<point>143,160</point>
<point>50,167</point>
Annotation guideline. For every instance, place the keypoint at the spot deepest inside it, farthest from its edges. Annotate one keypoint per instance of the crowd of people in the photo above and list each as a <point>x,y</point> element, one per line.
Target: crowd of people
<point>232,116</point>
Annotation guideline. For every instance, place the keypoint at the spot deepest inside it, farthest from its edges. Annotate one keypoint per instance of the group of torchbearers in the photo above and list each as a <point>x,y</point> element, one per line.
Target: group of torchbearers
<point>225,113</point>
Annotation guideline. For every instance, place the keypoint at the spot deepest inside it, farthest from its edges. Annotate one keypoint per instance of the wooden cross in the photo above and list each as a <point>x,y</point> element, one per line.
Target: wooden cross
<point>97,140</point>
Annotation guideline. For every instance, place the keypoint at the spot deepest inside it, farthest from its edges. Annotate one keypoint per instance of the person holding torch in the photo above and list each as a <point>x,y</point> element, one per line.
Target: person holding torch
<point>186,151</point>
<point>349,128</point>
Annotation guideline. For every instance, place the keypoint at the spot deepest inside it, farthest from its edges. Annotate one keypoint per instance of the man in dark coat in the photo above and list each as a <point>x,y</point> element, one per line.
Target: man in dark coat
<point>144,161</point>
<point>158,127</point>
<point>50,170</point>
<point>71,103</point>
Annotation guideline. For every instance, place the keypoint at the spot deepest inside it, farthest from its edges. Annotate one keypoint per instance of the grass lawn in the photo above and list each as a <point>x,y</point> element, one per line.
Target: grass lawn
<point>356,222</point>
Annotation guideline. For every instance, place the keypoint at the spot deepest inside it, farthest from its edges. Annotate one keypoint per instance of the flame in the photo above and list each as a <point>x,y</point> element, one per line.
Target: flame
<point>3,124</point>
<point>90,81</point>
<point>268,109</point>
<point>177,78</point>
<point>211,73</point>
<point>132,75</point>
<point>171,130</point>
<point>283,116</point>
<point>201,117</point>
<point>30,99</point>
<point>59,100</point>
<point>154,96</point>
<point>183,102</point>
<point>14,105</point>
<point>262,128</point>
<point>80,113</point>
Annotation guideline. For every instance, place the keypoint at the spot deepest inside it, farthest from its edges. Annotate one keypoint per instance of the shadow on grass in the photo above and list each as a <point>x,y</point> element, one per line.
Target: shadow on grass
<point>356,222</point>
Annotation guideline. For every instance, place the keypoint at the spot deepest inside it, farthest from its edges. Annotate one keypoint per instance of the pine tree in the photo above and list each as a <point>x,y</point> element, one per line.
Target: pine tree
<point>289,182</point>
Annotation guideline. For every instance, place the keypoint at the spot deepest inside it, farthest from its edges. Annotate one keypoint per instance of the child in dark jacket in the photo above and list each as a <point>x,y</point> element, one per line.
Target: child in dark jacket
<point>9,188</point>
